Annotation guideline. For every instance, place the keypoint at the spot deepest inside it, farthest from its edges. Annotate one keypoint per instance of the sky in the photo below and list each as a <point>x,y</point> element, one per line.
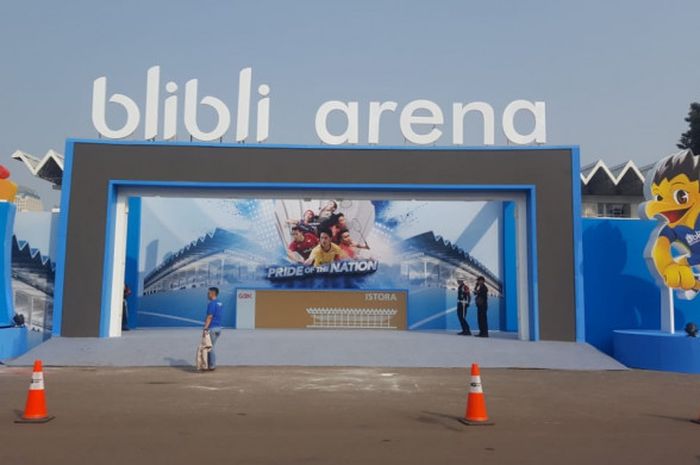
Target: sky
<point>617,77</point>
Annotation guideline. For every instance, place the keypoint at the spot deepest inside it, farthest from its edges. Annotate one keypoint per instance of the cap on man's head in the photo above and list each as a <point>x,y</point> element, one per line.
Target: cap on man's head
<point>480,278</point>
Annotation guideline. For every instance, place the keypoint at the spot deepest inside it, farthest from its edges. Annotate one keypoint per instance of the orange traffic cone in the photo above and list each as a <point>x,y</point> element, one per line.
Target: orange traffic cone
<point>476,404</point>
<point>35,410</point>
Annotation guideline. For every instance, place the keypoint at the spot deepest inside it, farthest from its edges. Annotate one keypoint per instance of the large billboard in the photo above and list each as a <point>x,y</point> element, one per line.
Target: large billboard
<point>332,243</point>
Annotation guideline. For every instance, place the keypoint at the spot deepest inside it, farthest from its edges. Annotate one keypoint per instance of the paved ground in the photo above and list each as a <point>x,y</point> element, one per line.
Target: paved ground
<point>369,348</point>
<point>336,416</point>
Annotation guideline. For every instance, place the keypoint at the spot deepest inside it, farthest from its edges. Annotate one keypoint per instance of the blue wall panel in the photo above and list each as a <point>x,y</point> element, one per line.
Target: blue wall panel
<point>620,291</point>
<point>7,221</point>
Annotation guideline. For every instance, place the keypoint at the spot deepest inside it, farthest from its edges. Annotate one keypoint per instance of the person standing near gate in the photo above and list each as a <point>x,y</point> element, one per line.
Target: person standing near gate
<point>213,323</point>
<point>463,299</point>
<point>125,308</point>
<point>481,295</point>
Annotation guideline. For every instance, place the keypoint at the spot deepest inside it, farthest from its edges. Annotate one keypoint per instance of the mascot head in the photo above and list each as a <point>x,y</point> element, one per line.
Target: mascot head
<point>673,192</point>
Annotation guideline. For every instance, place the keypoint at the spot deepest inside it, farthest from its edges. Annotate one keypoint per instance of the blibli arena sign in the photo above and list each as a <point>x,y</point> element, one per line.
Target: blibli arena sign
<point>420,121</point>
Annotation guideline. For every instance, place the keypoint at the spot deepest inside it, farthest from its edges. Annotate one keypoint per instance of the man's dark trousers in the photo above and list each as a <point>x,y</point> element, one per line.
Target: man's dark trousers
<point>462,315</point>
<point>483,320</point>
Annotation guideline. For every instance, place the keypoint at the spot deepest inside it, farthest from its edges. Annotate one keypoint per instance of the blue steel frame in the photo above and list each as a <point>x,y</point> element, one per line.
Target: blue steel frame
<point>133,244</point>
<point>7,223</point>
<point>578,244</point>
<point>115,184</point>
<point>509,263</point>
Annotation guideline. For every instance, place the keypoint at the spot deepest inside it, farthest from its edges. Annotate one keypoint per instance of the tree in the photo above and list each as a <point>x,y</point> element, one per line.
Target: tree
<point>691,138</point>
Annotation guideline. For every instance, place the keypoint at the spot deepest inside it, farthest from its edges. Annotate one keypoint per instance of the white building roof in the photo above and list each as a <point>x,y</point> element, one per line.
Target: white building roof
<point>622,179</point>
<point>49,168</point>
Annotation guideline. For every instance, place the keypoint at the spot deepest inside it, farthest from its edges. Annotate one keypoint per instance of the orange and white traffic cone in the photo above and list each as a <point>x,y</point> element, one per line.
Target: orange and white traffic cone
<point>476,403</point>
<point>35,409</point>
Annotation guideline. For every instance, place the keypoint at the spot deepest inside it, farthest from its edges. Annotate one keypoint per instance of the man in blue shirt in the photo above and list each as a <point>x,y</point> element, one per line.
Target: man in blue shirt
<point>213,322</point>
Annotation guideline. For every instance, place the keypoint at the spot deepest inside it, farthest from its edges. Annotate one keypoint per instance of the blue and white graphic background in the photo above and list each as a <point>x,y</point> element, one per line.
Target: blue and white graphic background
<point>417,244</point>
<point>33,272</point>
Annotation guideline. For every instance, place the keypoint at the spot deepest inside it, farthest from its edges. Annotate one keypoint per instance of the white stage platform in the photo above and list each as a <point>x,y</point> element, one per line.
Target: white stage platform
<point>280,347</point>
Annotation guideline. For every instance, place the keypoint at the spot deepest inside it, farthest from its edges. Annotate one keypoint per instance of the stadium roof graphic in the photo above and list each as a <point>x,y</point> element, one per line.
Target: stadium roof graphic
<point>205,246</point>
<point>437,247</point>
<point>49,168</point>
<point>623,179</point>
<point>32,268</point>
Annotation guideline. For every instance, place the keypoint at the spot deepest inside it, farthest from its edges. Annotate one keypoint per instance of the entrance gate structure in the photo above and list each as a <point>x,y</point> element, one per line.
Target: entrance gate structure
<point>540,186</point>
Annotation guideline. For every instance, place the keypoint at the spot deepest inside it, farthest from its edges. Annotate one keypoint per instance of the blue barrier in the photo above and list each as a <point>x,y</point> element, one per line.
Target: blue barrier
<point>654,350</point>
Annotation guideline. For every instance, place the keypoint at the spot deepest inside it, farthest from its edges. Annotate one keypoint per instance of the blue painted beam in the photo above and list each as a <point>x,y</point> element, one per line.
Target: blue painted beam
<point>509,310</point>
<point>133,245</point>
<point>7,222</point>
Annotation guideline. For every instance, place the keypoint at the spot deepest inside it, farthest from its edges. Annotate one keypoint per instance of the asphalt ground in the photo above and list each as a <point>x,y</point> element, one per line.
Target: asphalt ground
<point>335,416</point>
